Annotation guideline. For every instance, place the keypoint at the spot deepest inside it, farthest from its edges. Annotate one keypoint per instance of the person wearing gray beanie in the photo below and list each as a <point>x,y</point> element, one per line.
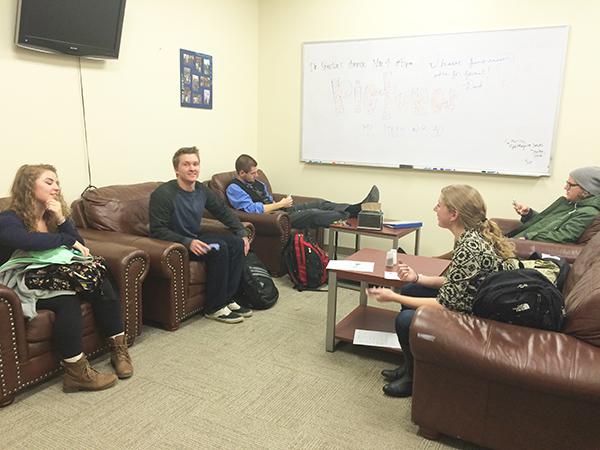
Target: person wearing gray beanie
<point>569,216</point>
<point>588,178</point>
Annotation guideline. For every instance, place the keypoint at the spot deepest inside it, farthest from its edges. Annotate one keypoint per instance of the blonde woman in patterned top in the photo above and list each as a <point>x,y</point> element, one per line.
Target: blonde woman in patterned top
<point>479,249</point>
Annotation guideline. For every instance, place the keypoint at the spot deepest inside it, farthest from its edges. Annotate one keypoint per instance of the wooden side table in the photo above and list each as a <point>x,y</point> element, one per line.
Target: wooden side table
<point>385,233</point>
<point>363,316</point>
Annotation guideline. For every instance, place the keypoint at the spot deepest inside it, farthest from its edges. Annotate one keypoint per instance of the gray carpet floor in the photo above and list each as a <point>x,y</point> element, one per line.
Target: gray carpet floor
<point>266,383</point>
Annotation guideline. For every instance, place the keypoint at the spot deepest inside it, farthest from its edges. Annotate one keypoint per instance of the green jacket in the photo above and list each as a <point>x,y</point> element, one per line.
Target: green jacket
<point>563,221</point>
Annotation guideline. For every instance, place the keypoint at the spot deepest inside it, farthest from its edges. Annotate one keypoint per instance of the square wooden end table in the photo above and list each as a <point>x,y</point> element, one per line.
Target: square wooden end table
<point>370,317</point>
<point>385,233</point>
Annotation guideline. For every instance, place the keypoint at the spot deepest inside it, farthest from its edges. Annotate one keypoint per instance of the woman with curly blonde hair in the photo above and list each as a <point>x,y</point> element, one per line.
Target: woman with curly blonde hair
<point>479,249</point>
<point>36,221</point>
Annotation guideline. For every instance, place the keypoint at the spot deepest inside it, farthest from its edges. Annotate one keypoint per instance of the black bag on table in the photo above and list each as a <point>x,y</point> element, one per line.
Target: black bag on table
<point>520,297</point>
<point>257,290</point>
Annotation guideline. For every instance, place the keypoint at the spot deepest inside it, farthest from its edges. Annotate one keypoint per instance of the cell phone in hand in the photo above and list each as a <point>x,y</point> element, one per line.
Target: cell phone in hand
<point>214,246</point>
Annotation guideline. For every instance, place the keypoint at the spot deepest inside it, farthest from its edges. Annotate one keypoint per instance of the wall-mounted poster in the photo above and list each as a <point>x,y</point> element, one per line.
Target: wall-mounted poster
<point>196,79</point>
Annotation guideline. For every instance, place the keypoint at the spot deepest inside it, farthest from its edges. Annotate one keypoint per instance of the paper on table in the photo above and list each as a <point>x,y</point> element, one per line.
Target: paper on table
<point>545,255</point>
<point>391,275</point>
<point>358,266</point>
<point>376,338</point>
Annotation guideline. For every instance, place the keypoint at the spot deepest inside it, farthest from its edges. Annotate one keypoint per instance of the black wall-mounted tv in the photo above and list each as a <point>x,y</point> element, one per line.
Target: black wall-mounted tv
<point>90,28</point>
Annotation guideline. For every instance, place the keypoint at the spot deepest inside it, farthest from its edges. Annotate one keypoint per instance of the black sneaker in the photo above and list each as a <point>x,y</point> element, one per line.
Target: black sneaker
<point>240,310</point>
<point>394,374</point>
<point>225,315</point>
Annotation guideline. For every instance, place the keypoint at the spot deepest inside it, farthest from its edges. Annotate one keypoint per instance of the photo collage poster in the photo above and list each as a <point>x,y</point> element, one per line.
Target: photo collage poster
<point>196,79</point>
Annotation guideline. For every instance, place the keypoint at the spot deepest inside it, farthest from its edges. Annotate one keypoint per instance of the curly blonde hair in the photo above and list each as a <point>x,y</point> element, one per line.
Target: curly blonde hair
<point>23,196</point>
<point>469,204</point>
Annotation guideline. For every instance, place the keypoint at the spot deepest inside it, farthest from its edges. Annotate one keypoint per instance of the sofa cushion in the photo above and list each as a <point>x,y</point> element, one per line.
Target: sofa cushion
<point>121,208</point>
<point>582,290</point>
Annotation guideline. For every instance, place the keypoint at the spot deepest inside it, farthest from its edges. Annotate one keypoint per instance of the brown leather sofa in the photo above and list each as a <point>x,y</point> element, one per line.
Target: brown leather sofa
<point>175,287</point>
<point>27,355</point>
<point>525,247</point>
<point>508,387</point>
<point>272,230</point>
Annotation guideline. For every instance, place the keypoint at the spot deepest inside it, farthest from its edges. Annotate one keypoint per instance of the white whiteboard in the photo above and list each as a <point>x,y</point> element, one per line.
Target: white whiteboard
<point>471,102</point>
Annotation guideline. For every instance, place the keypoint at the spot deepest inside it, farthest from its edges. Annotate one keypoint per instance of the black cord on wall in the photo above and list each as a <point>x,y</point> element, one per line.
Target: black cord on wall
<point>86,150</point>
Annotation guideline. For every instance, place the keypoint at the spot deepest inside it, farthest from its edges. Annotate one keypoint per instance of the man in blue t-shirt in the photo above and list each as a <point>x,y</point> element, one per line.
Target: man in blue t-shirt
<point>176,210</point>
<point>248,194</point>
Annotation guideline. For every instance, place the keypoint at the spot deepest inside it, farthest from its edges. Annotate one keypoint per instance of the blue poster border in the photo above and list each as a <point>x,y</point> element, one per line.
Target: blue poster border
<point>196,79</point>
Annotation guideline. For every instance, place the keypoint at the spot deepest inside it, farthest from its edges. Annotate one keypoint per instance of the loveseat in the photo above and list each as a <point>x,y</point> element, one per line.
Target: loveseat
<point>27,355</point>
<point>272,230</point>
<point>569,251</point>
<point>175,287</point>
<point>509,387</point>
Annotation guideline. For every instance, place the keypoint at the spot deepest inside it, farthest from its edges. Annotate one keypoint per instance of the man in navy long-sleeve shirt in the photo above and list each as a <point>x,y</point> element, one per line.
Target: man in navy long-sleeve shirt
<point>176,210</point>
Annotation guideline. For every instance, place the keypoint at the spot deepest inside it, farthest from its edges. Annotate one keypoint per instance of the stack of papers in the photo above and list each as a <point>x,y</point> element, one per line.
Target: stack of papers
<point>376,338</point>
<point>355,266</point>
<point>397,224</point>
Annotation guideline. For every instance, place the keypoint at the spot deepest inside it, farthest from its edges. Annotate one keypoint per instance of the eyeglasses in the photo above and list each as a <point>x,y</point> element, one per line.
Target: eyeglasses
<point>569,185</point>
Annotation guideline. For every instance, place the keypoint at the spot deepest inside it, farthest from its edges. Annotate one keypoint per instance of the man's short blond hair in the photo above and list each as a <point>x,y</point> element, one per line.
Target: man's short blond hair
<point>184,151</point>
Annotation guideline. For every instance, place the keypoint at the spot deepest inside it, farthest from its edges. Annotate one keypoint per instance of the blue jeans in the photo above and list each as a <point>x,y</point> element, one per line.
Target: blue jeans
<point>404,318</point>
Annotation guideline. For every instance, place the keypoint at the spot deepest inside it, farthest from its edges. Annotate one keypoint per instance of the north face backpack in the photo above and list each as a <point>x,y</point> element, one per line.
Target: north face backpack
<point>257,290</point>
<point>306,262</point>
<point>520,297</point>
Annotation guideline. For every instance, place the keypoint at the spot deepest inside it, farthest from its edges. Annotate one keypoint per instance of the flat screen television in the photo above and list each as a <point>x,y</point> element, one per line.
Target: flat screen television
<point>90,28</point>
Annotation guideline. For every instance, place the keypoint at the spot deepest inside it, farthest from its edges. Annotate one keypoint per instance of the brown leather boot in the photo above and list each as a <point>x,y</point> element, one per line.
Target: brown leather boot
<point>80,376</point>
<point>119,357</point>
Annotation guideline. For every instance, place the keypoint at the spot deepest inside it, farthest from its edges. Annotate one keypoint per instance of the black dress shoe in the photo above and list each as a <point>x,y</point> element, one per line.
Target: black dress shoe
<point>399,388</point>
<point>393,374</point>
<point>372,196</point>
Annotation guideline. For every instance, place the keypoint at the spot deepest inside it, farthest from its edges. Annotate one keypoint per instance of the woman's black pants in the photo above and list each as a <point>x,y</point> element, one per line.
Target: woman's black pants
<point>68,322</point>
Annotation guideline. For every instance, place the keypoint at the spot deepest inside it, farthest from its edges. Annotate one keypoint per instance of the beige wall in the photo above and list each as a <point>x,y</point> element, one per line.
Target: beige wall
<point>135,122</point>
<point>285,25</point>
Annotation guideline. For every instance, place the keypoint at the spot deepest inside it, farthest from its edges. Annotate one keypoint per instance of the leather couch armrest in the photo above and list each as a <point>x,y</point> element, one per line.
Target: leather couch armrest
<point>214,226</point>
<point>13,344</point>
<point>129,267</point>
<point>273,224</point>
<point>524,248</point>
<point>528,358</point>
<point>166,258</point>
<point>506,225</point>
<point>12,327</point>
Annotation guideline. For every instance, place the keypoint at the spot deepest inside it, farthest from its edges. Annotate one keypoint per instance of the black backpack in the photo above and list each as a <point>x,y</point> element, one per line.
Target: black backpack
<point>306,262</point>
<point>520,297</point>
<point>257,290</point>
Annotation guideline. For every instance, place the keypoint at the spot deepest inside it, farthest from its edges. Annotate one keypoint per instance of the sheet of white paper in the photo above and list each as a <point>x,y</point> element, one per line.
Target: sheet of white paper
<point>545,255</point>
<point>391,275</point>
<point>357,266</point>
<point>376,338</point>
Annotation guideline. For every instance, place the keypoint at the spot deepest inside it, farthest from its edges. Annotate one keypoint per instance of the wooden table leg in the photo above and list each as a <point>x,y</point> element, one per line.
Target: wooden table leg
<point>363,293</point>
